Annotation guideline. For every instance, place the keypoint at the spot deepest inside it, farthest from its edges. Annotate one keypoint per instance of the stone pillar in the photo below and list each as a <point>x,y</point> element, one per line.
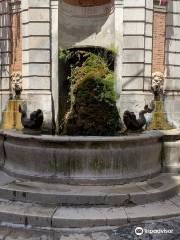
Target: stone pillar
<point>137,52</point>
<point>54,58</point>
<point>172,62</point>
<point>118,46</point>
<point>36,57</point>
<point>148,48</point>
<point>5,53</point>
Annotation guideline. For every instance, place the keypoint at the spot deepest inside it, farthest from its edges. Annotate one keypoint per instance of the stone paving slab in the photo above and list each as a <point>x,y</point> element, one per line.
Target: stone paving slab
<point>152,211</point>
<point>88,217</point>
<point>5,179</point>
<point>84,217</point>
<point>8,233</point>
<point>80,217</point>
<point>26,214</point>
<point>126,232</point>
<point>160,183</point>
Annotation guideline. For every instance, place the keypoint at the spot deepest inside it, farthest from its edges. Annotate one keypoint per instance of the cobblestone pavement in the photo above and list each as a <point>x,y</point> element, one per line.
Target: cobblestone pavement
<point>121,233</point>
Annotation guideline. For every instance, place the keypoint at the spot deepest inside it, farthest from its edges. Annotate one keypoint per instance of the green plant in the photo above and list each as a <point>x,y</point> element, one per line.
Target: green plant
<point>113,49</point>
<point>93,107</point>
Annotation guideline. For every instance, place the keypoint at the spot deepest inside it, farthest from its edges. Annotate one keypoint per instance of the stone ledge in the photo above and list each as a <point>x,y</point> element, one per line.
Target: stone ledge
<point>81,217</point>
<point>161,187</point>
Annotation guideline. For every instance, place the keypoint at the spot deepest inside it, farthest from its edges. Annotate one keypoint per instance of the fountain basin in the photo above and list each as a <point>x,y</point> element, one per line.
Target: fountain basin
<point>82,160</point>
<point>171,151</point>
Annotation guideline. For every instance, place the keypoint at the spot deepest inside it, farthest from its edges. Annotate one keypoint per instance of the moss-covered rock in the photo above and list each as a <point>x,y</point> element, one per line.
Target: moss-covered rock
<point>93,103</point>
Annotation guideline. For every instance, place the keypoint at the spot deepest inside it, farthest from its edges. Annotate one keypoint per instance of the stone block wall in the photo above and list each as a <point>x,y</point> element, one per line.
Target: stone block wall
<point>172,62</point>
<point>148,46</point>
<point>137,47</point>
<point>151,42</point>
<point>5,54</point>
<point>81,24</point>
<point>127,24</point>
<point>36,56</point>
<point>137,54</point>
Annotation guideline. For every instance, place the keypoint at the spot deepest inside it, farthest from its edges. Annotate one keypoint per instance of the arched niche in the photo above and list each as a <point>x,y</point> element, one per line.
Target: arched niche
<point>87,22</point>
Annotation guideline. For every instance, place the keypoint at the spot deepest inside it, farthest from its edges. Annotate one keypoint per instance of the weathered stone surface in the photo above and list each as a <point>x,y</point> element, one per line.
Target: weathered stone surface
<point>76,237</point>
<point>94,160</point>
<point>88,217</point>
<point>161,187</point>
<point>152,211</point>
<point>5,179</point>
<point>25,214</point>
<point>84,25</point>
<point>1,150</point>
<point>126,232</point>
<point>100,236</point>
<point>171,150</point>
<point>7,233</point>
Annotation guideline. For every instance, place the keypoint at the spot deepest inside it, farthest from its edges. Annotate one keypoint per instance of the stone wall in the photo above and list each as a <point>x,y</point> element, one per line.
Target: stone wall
<point>140,38</point>
<point>124,24</point>
<point>5,54</point>
<point>86,25</point>
<point>172,62</point>
<point>118,45</point>
<point>137,54</point>
<point>36,56</point>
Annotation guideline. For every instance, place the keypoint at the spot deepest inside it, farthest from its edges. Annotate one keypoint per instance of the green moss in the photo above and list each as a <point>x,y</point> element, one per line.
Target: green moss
<point>52,165</point>
<point>99,165</point>
<point>159,119</point>
<point>113,49</point>
<point>93,108</point>
<point>69,166</point>
<point>93,111</point>
<point>94,67</point>
<point>62,55</point>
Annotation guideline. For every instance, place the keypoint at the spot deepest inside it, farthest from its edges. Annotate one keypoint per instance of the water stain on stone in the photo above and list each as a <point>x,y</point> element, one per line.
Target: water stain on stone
<point>156,184</point>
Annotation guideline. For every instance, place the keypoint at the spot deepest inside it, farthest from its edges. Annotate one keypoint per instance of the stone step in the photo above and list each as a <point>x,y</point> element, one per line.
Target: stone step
<point>158,188</point>
<point>34,215</point>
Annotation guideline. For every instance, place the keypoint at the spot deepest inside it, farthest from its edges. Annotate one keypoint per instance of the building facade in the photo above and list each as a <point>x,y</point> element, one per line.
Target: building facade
<point>145,34</point>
